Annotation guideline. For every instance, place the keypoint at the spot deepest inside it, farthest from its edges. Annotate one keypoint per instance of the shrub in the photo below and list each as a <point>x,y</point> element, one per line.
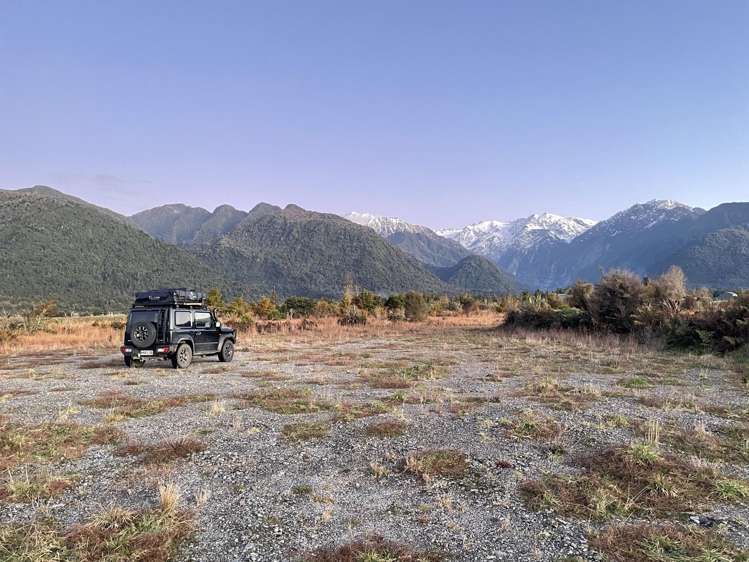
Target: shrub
<point>267,308</point>
<point>298,307</point>
<point>468,304</point>
<point>615,300</point>
<point>415,307</point>
<point>395,301</point>
<point>368,301</point>
<point>353,316</point>
<point>215,300</point>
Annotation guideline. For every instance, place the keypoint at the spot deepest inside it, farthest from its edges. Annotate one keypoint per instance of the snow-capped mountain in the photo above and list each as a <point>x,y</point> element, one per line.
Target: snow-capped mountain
<point>493,238</point>
<point>644,216</point>
<point>385,226</point>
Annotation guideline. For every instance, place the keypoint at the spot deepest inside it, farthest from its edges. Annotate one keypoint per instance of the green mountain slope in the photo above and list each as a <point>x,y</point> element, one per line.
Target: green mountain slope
<point>429,248</point>
<point>478,275</point>
<point>56,246</point>
<point>297,252</point>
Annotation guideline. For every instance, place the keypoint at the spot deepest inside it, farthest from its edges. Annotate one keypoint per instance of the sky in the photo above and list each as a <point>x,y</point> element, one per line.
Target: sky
<point>443,113</point>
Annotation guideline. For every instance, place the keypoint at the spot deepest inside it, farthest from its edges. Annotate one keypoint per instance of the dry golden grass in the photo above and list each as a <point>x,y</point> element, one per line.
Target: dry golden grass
<point>442,463</point>
<point>304,431</point>
<point>68,333</point>
<point>386,428</point>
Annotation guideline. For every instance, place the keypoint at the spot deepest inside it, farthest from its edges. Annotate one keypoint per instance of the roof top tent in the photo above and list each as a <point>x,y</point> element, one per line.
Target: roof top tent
<point>170,297</point>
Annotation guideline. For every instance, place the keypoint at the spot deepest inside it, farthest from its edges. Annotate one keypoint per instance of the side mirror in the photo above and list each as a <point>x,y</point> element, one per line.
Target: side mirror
<point>218,324</point>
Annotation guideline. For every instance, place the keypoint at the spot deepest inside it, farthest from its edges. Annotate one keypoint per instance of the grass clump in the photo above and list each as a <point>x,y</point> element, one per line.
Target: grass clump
<point>284,400</point>
<point>442,463</point>
<point>404,377</point>
<point>632,480</point>
<point>386,428</point>
<point>115,535</point>
<point>161,452</point>
<point>728,443</point>
<point>635,382</point>
<point>26,489</point>
<point>348,411</point>
<point>551,392</point>
<point>304,431</point>
<point>124,406</point>
<point>665,543</point>
<point>533,425</point>
<point>49,442</point>
<point>372,549</point>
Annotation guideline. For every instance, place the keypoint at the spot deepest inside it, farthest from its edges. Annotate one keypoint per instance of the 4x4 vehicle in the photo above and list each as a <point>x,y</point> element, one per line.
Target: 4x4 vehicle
<point>174,324</point>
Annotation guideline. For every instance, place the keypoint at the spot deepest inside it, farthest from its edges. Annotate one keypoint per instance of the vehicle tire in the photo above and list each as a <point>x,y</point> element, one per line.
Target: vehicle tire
<point>143,334</point>
<point>182,357</point>
<point>227,352</point>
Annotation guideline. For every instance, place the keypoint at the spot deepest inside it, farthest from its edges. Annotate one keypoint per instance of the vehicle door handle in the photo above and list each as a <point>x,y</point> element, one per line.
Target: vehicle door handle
<point>198,333</point>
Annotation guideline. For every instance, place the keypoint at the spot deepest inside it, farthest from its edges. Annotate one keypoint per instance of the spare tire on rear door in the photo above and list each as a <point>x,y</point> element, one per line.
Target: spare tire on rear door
<point>143,334</point>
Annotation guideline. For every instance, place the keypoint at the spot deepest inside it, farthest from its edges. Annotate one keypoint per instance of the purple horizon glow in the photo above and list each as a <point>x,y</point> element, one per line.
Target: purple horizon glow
<point>442,113</point>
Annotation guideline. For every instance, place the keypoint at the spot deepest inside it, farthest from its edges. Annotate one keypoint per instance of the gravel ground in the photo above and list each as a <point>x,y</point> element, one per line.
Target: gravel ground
<point>259,496</point>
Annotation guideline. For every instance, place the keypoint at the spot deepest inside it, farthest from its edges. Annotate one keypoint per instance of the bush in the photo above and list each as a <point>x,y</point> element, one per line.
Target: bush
<point>395,301</point>
<point>540,315</point>
<point>298,307</point>
<point>580,294</point>
<point>615,300</point>
<point>353,316</point>
<point>415,307</point>
<point>721,328</point>
<point>368,301</point>
<point>468,304</point>
<point>267,309</point>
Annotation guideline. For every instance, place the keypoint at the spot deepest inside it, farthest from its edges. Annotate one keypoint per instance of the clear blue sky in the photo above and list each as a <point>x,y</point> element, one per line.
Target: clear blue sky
<point>444,113</point>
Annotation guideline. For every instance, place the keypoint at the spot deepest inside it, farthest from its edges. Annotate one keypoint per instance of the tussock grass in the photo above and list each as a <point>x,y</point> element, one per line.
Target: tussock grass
<point>442,463</point>
<point>729,443</point>
<point>304,431</point>
<point>665,543</point>
<point>125,406</point>
<point>349,411</point>
<point>386,428</point>
<point>22,488</point>
<point>551,392</point>
<point>531,424</point>
<point>116,535</point>
<point>404,377</point>
<point>284,400</point>
<point>161,452</point>
<point>632,480</point>
<point>373,549</point>
<point>49,442</point>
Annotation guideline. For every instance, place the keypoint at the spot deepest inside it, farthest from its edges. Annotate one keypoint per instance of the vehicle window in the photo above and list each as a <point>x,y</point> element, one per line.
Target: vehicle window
<point>143,316</point>
<point>203,320</point>
<point>182,318</point>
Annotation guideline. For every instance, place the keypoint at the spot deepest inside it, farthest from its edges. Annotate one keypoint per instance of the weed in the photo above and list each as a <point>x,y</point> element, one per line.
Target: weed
<point>304,431</point>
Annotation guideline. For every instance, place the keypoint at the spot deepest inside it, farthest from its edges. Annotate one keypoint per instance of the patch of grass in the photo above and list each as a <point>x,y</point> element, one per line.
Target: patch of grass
<point>726,443</point>
<point>284,400</point>
<point>635,382</point>
<point>349,411</point>
<point>25,489</point>
<point>631,480</point>
<point>304,431</point>
<point>386,428</point>
<point>404,377</point>
<point>49,442</point>
<point>551,392</point>
<point>373,549</point>
<point>161,452</point>
<point>531,424</point>
<point>665,543</point>
<point>116,535</point>
<point>124,406</point>
<point>442,463</point>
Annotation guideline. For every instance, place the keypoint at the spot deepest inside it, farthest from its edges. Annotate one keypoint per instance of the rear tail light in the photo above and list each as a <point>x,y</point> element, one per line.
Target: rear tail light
<point>164,349</point>
<point>124,349</point>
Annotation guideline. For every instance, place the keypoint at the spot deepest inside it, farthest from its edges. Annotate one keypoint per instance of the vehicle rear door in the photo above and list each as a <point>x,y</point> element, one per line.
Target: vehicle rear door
<point>205,332</point>
<point>183,325</point>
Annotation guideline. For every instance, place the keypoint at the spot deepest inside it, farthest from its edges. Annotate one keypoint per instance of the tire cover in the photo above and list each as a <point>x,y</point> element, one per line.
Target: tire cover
<point>143,334</point>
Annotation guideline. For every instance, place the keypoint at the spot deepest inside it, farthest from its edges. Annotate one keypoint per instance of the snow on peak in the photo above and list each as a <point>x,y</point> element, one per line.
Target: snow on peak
<point>646,215</point>
<point>493,238</point>
<point>384,226</point>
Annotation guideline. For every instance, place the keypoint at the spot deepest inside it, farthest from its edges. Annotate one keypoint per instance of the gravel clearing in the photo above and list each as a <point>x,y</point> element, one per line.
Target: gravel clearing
<point>258,495</point>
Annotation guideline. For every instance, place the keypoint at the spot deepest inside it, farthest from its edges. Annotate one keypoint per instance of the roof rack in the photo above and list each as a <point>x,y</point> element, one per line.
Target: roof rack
<point>170,297</point>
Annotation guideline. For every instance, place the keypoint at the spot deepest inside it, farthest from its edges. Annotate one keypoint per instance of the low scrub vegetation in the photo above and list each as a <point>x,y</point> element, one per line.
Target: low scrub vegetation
<point>373,549</point>
<point>623,303</point>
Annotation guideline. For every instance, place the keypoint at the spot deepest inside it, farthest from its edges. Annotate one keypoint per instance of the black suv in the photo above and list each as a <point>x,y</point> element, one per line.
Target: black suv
<point>174,324</point>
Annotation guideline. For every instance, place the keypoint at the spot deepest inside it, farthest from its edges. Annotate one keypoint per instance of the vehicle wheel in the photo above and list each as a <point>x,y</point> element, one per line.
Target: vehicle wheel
<point>183,357</point>
<point>227,352</point>
<point>143,334</point>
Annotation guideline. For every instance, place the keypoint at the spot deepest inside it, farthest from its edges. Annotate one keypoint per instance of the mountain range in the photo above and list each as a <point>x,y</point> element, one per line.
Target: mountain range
<point>91,258</point>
